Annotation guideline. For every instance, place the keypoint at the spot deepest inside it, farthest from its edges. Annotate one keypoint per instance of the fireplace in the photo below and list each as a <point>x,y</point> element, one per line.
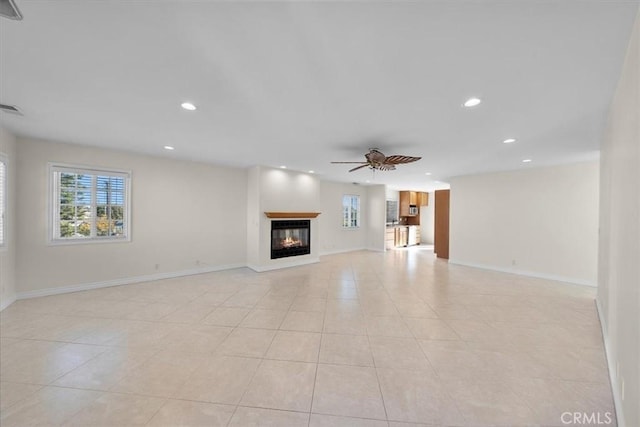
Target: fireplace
<point>290,238</point>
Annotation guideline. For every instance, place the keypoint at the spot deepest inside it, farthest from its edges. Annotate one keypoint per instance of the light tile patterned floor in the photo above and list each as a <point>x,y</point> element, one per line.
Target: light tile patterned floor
<point>360,339</point>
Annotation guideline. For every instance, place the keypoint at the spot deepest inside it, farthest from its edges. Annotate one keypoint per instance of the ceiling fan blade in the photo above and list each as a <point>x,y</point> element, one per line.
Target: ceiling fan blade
<point>355,163</point>
<point>358,167</point>
<point>397,159</point>
<point>386,167</point>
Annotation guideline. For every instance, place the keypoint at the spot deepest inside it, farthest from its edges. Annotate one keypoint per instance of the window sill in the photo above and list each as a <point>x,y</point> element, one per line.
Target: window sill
<point>72,242</point>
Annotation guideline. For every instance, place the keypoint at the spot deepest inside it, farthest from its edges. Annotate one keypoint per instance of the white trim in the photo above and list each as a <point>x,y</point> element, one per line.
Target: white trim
<point>7,302</point>
<point>376,250</point>
<point>123,281</point>
<point>297,263</point>
<point>342,251</point>
<point>535,274</point>
<point>76,168</point>
<point>4,201</point>
<point>615,387</point>
<point>87,241</point>
<point>54,206</point>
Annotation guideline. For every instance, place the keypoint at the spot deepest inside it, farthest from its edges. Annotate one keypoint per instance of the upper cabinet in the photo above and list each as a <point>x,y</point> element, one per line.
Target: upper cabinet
<point>410,202</point>
<point>405,203</point>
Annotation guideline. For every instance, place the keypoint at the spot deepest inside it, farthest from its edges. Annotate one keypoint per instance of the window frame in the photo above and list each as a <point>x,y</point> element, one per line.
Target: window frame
<point>350,206</point>
<point>54,169</point>
<point>4,199</point>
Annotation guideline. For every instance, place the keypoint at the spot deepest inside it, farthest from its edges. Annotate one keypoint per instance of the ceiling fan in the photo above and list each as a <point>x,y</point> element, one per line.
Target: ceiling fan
<point>378,161</point>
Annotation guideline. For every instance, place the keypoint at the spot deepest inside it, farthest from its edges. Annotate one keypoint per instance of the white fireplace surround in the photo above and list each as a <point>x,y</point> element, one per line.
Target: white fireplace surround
<point>277,190</point>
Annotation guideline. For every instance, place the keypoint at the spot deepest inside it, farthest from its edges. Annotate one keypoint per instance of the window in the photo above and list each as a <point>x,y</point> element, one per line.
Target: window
<point>350,211</point>
<point>392,211</point>
<point>3,199</point>
<point>89,204</point>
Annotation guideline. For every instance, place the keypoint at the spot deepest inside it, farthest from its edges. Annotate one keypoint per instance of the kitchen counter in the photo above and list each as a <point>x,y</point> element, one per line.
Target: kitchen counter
<point>402,235</point>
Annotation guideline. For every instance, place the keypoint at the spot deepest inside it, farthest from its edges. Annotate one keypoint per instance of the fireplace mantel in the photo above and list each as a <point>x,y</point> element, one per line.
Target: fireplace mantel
<point>292,214</point>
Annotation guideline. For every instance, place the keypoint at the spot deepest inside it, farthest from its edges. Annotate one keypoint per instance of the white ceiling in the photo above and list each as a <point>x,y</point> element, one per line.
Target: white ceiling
<point>304,83</point>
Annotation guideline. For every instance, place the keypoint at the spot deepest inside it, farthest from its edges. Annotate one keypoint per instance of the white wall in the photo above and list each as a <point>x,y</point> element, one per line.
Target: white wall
<point>619,263</point>
<point>334,238</point>
<point>376,217</point>
<point>8,253</point>
<point>541,222</point>
<point>391,194</point>
<point>254,216</point>
<point>182,212</point>
<point>279,190</point>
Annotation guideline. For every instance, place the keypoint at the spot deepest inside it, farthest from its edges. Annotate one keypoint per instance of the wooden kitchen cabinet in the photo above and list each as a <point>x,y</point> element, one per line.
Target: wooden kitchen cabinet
<point>390,238</point>
<point>412,198</point>
<point>414,235</point>
<point>408,199</point>
<point>402,236</point>
<point>404,203</point>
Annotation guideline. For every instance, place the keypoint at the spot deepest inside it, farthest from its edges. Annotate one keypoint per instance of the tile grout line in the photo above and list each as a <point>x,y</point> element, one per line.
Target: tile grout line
<point>254,373</point>
<point>375,369</point>
<point>231,332</point>
<point>315,378</point>
<point>160,321</point>
<point>166,400</point>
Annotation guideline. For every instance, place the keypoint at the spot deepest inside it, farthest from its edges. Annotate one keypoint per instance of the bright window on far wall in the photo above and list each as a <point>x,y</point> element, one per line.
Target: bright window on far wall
<point>89,205</point>
<point>350,211</point>
<point>3,199</point>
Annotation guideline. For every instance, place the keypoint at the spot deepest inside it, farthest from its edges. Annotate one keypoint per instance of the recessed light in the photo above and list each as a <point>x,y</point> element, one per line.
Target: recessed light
<point>368,181</point>
<point>509,140</point>
<point>312,172</point>
<point>428,173</point>
<point>283,167</point>
<point>526,161</point>
<point>188,106</point>
<point>472,102</point>
<point>168,147</point>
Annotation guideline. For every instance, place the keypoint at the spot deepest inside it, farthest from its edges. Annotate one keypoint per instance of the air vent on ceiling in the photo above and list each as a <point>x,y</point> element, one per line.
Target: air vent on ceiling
<point>9,9</point>
<point>10,109</point>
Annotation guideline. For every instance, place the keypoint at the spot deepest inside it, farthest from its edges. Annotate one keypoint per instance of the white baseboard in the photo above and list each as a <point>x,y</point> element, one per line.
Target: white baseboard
<point>7,302</point>
<point>123,281</point>
<point>342,251</point>
<point>535,274</point>
<point>617,401</point>
<point>279,265</point>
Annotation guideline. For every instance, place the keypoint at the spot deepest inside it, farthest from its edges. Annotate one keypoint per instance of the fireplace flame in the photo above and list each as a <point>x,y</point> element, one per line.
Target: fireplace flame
<point>291,242</point>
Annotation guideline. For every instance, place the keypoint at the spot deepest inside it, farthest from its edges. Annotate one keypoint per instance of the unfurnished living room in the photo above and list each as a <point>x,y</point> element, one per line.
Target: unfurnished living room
<point>320,213</point>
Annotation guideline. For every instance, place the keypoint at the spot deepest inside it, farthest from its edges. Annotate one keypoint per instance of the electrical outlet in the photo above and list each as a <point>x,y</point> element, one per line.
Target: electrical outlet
<point>622,391</point>
<point>197,262</point>
<point>513,262</point>
<point>157,266</point>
